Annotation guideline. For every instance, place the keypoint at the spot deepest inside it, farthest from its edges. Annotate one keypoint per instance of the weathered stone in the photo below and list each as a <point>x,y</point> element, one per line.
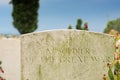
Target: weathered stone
<point>10,57</point>
<point>65,55</point>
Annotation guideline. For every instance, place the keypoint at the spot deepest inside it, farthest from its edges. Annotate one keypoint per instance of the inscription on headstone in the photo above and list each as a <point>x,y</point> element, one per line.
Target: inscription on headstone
<point>65,55</point>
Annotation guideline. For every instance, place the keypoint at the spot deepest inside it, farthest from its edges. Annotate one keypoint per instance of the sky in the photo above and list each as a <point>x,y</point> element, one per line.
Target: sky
<point>59,14</point>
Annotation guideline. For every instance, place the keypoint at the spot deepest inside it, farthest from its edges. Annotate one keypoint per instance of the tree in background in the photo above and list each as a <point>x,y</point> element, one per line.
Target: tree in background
<point>70,27</point>
<point>25,14</point>
<point>113,24</point>
<point>79,24</point>
<point>85,26</point>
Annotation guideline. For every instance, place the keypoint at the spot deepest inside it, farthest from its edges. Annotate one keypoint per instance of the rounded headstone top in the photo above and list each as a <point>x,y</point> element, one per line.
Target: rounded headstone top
<point>65,30</point>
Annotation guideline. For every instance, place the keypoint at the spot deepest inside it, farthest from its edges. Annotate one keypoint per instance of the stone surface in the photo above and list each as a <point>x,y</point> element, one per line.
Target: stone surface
<point>10,57</point>
<point>65,55</point>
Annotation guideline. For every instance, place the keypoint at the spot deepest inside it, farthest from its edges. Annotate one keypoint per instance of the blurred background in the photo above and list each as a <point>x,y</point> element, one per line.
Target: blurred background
<point>25,16</point>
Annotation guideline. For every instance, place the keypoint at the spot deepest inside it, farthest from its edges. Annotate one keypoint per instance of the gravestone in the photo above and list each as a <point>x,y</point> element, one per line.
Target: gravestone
<point>65,55</point>
<point>10,57</point>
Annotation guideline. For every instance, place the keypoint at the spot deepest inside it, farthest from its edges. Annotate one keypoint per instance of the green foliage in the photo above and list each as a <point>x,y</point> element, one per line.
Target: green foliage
<point>110,74</point>
<point>114,67</point>
<point>25,15</point>
<point>70,27</point>
<point>85,26</point>
<point>115,74</point>
<point>79,24</point>
<point>113,24</point>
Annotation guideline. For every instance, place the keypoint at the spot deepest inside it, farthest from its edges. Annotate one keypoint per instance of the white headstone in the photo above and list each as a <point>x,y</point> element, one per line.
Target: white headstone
<point>65,55</point>
<point>10,57</point>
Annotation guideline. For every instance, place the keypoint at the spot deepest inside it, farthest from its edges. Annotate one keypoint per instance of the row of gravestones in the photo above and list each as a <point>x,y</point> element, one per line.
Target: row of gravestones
<point>57,55</point>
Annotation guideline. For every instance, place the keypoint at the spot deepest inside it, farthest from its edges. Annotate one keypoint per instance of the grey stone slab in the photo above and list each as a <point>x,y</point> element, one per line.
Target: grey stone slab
<point>65,55</point>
